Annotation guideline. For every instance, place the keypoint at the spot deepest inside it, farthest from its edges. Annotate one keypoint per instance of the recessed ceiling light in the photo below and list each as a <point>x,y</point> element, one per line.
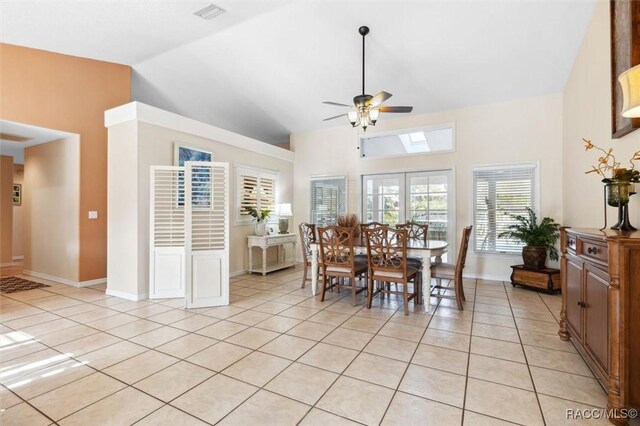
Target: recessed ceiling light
<point>209,12</point>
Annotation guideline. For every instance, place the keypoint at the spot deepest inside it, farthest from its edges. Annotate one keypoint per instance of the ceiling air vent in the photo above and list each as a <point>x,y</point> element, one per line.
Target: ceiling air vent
<point>209,12</point>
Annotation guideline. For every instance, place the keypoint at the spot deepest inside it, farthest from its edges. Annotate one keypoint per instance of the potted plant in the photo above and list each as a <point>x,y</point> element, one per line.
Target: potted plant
<point>260,217</point>
<point>539,238</point>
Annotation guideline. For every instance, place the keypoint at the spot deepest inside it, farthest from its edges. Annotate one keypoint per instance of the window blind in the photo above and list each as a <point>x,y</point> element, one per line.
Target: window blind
<point>328,200</point>
<point>256,190</point>
<point>499,193</point>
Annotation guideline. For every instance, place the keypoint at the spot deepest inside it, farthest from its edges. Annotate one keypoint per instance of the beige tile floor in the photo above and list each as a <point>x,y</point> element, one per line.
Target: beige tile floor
<point>278,356</point>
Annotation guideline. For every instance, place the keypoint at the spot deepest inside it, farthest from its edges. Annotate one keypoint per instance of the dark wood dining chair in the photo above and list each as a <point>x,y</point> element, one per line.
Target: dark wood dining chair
<point>452,272</point>
<point>307,237</point>
<point>416,232</point>
<point>387,253</point>
<point>338,260</point>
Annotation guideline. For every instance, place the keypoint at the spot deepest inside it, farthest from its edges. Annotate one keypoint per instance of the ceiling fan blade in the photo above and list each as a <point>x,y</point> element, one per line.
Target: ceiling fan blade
<point>337,104</point>
<point>395,108</point>
<point>334,117</point>
<point>379,98</point>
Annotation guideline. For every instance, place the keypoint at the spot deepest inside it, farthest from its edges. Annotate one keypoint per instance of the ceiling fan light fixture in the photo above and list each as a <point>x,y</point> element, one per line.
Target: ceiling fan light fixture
<point>373,116</point>
<point>367,108</point>
<point>353,118</point>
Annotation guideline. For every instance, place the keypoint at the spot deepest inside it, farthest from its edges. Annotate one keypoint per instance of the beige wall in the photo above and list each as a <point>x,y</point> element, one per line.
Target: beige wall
<point>156,148</point>
<point>122,265</point>
<point>527,130</point>
<point>587,114</point>
<point>6,209</point>
<point>51,225</point>
<point>68,93</point>
<point>134,146</point>
<point>18,237</point>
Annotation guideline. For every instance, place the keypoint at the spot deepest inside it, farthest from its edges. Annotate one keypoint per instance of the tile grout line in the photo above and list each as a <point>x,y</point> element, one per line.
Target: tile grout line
<point>466,381</point>
<point>535,391</point>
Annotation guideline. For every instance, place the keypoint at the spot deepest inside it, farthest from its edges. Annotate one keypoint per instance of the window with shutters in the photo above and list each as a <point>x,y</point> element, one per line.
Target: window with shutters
<point>328,199</point>
<point>500,192</point>
<point>255,189</point>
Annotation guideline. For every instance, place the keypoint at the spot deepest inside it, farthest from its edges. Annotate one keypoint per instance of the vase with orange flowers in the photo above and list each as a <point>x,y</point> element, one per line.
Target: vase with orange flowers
<point>620,186</point>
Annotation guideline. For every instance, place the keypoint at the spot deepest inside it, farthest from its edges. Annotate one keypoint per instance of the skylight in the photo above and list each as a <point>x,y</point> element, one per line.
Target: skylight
<point>424,141</point>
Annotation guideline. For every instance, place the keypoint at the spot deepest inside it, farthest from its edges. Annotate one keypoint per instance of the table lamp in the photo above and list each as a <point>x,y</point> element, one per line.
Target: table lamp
<point>630,82</point>
<point>284,212</point>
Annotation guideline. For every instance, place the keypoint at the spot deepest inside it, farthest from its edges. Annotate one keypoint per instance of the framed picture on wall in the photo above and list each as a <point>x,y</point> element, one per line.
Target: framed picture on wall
<point>17,194</point>
<point>201,197</point>
<point>183,153</point>
<point>625,53</point>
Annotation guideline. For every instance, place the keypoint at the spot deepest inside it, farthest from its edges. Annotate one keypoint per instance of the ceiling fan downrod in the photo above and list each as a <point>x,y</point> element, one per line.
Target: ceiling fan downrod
<point>363,99</point>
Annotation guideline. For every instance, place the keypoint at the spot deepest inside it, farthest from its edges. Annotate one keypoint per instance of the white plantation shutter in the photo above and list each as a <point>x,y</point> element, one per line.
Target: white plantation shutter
<point>257,189</point>
<point>267,185</point>
<point>500,192</point>
<point>328,200</point>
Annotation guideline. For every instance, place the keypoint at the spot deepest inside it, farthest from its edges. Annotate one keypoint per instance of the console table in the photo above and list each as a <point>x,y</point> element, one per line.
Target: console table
<point>266,241</point>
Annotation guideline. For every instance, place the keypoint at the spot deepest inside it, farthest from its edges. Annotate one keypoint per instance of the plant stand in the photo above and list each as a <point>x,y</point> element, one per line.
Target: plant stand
<point>547,279</point>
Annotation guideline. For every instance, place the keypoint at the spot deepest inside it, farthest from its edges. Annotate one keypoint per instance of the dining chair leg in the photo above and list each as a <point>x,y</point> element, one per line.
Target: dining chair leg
<point>405,296</point>
<point>457,285</point>
<point>324,286</point>
<point>370,286</point>
<point>462,290</point>
<point>353,290</point>
<point>304,275</point>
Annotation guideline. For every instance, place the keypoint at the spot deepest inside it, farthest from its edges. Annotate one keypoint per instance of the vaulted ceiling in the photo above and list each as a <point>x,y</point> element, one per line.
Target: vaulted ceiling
<point>263,68</point>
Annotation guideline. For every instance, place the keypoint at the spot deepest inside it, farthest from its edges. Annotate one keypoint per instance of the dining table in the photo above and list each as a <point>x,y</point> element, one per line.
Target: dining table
<point>425,250</point>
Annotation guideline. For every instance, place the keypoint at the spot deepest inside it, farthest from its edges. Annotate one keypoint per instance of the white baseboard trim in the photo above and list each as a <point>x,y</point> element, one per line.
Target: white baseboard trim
<point>237,273</point>
<point>506,278</point>
<point>51,278</point>
<point>92,282</point>
<point>18,257</point>
<point>65,281</point>
<point>125,295</point>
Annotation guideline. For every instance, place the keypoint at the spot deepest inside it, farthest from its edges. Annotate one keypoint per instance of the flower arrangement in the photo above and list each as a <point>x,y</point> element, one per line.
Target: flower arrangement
<point>259,215</point>
<point>607,162</point>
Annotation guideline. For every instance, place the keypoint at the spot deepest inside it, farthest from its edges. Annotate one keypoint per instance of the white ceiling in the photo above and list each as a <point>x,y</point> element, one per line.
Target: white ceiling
<point>262,69</point>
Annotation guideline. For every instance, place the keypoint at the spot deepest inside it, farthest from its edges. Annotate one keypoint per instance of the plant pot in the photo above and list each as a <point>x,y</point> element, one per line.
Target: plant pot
<point>535,257</point>
<point>261,229</point>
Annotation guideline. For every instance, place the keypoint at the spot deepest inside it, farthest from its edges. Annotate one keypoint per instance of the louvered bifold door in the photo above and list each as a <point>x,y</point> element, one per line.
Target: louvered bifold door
<point>167,233</point>
<point>207,233</point>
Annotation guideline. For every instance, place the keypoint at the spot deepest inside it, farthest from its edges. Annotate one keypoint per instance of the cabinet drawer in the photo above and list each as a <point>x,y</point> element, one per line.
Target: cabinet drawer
<point>595,251</point>
<point>571,243</point>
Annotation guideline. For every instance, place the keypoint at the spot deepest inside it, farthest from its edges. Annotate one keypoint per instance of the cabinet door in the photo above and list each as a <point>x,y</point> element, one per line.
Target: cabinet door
<point>573,279</point>
<point>596,330</point>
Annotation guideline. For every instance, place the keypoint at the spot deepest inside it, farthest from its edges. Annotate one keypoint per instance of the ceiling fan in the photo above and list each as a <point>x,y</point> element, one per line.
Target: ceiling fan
<point>367,108</point>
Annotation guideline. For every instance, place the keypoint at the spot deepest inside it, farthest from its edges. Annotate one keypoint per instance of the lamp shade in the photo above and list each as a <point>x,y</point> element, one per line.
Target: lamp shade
<point>630,82</point>
<point>284,210</point>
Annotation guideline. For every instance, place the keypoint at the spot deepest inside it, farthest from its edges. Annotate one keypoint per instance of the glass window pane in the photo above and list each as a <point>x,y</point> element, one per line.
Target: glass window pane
<point>409,143</point>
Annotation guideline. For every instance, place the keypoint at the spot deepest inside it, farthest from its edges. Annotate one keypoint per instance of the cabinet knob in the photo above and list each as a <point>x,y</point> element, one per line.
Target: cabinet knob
<point>582,304</point>
<point>592,250</point>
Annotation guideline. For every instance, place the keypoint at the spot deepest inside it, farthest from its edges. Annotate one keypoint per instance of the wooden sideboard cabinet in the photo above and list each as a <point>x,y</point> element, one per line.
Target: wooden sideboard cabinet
<point>600,272</point>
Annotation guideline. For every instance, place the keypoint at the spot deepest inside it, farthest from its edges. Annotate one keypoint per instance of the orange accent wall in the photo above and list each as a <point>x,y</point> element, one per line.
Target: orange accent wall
<point>68,93</point>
